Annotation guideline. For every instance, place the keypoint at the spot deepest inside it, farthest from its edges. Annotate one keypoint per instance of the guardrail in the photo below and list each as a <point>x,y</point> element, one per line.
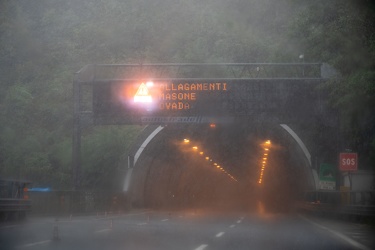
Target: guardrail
<point>358,204</point>
<point>13,205</point>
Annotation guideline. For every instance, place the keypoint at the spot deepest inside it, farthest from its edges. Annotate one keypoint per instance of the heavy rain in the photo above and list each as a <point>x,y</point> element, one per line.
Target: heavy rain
<point>185,124</point>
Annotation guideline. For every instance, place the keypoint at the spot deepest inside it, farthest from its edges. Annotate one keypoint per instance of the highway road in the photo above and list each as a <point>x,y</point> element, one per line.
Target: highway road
<point>190,230</point>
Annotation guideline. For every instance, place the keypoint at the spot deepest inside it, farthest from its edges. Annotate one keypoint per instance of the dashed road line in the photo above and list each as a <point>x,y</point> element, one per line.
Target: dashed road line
<point>165,220</point>
<point>219,234</point>
<point>103,230</point>
<point>201,247</point>
<point>239,221</point>
<point>232,226</point>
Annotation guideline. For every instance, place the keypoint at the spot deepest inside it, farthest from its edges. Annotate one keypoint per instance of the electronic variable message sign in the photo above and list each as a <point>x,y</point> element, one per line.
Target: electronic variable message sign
<point>165,101</point>
<point>133,101</point>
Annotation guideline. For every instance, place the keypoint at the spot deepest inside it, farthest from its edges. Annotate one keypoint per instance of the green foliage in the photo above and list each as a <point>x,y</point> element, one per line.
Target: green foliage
<point>43,43</point>
<point>101,156</point>
<point>342,33</point>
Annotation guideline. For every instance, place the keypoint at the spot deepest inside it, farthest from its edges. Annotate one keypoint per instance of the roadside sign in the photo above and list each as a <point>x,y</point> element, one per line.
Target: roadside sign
<point>348,162</point>
<point>327,176</point>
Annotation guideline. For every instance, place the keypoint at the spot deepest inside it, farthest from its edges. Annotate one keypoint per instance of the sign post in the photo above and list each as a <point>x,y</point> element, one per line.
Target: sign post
<point>348,163</point>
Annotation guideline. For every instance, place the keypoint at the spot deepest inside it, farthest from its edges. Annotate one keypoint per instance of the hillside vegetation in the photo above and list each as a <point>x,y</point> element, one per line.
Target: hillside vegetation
<point>42,44</point>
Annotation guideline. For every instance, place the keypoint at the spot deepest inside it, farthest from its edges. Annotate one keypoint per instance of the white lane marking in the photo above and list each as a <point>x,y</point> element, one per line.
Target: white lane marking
<point>165,220</point>
<point>232,226</point>
<point>220,234</point>
<point>239,221</point>
<point>142,224</point>
<point>340,235</point>
<point>201,247</point>
<point>34,244</point>
<point>103,230</point>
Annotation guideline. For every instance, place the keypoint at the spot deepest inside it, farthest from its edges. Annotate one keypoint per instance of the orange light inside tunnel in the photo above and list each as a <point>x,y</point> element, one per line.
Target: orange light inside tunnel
<point>264,160</point>
<point>212,125</point>
<point>195,148</point>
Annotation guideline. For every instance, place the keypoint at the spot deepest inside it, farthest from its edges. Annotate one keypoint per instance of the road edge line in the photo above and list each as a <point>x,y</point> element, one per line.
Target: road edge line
<point>338,234</point>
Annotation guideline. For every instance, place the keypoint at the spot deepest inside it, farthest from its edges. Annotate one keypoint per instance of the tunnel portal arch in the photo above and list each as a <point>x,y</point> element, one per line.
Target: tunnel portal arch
<point>138,173</point>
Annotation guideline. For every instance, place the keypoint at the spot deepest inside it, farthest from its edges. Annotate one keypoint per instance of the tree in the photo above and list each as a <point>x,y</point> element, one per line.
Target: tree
<point>342,34</point>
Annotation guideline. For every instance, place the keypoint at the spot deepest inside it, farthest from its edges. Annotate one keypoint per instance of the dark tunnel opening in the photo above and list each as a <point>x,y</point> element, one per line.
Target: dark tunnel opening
<point>219,167</point>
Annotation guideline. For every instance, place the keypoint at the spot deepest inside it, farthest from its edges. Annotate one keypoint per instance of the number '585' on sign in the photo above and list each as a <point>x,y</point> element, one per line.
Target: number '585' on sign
<point>348,161</point>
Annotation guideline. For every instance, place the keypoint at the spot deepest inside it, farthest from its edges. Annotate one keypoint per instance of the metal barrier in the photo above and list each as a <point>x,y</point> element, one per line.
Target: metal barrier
<point>77,202</point>
<point>339,203</point>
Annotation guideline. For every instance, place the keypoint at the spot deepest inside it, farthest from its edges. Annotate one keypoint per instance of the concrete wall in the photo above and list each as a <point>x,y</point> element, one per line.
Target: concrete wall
<point>362,180</point>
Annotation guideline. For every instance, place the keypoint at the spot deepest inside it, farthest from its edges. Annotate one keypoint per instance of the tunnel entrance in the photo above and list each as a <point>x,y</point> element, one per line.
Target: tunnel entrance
<point>219,166</point>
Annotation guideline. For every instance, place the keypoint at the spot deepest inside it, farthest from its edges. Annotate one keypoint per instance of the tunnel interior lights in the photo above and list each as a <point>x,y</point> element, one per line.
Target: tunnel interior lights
<point>266,146</point>
<point>195,148</point>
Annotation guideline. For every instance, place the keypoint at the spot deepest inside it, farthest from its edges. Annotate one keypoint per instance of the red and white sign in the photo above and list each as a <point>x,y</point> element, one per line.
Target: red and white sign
<point>348,161</point>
